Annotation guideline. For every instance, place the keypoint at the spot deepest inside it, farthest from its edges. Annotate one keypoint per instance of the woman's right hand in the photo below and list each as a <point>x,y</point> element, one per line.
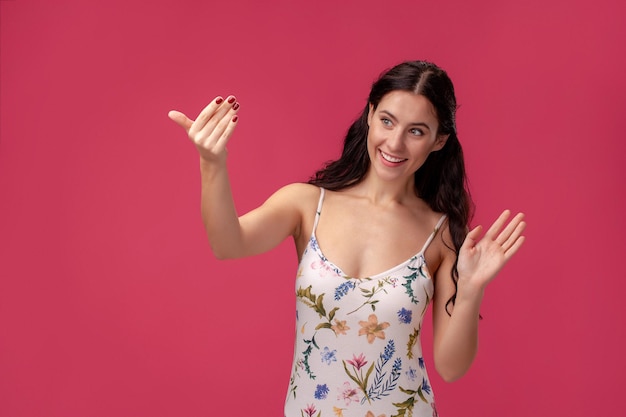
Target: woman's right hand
<point>212,128</point>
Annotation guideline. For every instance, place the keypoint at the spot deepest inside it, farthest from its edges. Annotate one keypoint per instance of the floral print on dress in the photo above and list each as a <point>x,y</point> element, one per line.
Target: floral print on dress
<point>405,316</point>
<point>328,356</point>
<point>357,350</point>
<point>310,411</point>
<point>411,374</point>
<point>338,412</point>
<point>340,327</point>
<point>347,394</point>
<point>343,289</point>
<point>321,392</point>
<point>372,329</point>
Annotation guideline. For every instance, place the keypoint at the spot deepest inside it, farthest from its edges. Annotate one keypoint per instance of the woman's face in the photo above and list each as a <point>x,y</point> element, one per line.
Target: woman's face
<point>402,133</point>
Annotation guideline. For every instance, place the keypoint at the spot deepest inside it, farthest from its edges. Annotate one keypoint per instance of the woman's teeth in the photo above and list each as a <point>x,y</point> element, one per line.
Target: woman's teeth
<point>390,158</point>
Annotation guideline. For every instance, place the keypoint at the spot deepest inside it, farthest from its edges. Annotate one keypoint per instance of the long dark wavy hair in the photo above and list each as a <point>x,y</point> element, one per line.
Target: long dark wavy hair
<point>441,181</point>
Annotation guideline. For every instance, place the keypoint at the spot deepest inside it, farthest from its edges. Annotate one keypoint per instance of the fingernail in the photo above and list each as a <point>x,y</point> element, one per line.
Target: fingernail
<point>235,119</point>
<point>231,100</point>
<point>219,100</point>
<point>235,106</point>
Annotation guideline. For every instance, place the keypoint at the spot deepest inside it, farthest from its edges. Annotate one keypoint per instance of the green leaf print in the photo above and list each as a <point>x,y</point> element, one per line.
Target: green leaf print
<point>412,340</point>
<point>314,342</point>
<point>421,395</point>
<point>294,375</point>
<point>316,302</point>
<point>405,408</point>
<point>311,300</point>
<point>320,306</point>
<point>305,361</point>
<point>369,294</point>
<point>331,315</point>
<point>323,326</point>
<point>408,285</point>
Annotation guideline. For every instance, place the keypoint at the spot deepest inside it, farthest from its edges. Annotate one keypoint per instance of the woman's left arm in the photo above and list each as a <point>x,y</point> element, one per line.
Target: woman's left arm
<point>480,260</point>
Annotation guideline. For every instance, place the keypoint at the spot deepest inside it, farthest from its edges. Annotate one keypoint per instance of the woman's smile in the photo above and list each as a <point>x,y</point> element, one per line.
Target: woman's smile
<point>391,160</point>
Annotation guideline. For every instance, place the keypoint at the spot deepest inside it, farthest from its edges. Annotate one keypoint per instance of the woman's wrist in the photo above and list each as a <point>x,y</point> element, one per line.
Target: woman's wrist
<point>469,291</point>
<point>212,166</point>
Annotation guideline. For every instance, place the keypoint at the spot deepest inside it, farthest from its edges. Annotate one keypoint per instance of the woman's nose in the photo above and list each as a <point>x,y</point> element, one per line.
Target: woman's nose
<point>395,139</point>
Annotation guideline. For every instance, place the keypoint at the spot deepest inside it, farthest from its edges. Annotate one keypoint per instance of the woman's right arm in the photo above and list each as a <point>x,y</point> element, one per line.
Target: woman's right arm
<point>231,236</point>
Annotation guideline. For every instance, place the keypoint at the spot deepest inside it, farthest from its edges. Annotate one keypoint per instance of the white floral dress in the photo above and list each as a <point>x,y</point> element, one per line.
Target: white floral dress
<point>357,348</point>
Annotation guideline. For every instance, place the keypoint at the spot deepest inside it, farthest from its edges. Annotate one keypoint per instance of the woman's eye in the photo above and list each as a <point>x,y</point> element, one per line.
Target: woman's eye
<point>416,132</point>
<point>385,121</point>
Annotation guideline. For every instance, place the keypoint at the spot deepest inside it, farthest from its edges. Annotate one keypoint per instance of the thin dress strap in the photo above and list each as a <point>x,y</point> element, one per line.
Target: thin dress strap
<point>318,211</point>
<point>433,234</point>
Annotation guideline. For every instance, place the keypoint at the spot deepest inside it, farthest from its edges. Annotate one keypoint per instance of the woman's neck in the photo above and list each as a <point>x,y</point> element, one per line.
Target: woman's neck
<point>381,192</point>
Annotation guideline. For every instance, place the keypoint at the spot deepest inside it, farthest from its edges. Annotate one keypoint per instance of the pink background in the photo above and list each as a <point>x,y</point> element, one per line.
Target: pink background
<point>110,301</point>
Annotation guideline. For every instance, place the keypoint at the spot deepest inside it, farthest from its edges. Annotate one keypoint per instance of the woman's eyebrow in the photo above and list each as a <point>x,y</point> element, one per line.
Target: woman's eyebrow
<point>391,116</point>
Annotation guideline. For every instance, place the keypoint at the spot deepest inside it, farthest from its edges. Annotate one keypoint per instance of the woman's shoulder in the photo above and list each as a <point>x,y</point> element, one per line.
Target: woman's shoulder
<point>298,194</point>
<point>302,198</point>
<point>299,189</point>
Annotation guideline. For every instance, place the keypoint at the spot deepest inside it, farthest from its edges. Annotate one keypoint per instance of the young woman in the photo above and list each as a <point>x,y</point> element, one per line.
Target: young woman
<point>381,233</point>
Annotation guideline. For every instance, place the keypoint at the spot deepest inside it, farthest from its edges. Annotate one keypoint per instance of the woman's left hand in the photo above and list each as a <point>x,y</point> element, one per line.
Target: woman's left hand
<point>480,259</point>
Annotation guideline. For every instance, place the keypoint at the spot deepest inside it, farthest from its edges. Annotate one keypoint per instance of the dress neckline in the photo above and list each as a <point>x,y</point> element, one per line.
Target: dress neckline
<point>314,245</point>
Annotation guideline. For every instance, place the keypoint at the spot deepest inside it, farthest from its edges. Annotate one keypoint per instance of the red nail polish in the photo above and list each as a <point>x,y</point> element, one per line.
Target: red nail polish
<point>219,100</point>
<point>235,106</point>
<point>235,119</point>
<point>231,100</point>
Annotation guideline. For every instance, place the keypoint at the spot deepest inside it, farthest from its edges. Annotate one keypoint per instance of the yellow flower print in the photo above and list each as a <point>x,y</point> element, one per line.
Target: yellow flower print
<point>338,411</point>
<point>372,328</point>
<point>340,327</point>
<point>370,414</point>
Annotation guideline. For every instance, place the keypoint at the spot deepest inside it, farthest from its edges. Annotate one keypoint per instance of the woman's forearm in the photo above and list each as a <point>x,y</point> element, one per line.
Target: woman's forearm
<point>458,346</point>
<point>218,210</point>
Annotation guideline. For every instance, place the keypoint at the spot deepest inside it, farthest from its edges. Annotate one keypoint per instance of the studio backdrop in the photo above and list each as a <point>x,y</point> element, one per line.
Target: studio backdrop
<point>111,303</point>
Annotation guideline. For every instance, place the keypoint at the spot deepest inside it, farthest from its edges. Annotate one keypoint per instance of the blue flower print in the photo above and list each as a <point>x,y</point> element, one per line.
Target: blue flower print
<point>405,316</point>
<point>421,363</point>
<point>328,355</point>
<point>343,289</point>
<point>387,354</point>
<point>425,386</point>
<point>321,392</point>
<point>314,244</point>
<point>411,373</point>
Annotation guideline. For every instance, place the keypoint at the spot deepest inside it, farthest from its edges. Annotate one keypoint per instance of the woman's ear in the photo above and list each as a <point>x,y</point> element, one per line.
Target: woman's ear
<point>370,114</point>
<point>440,142</point>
